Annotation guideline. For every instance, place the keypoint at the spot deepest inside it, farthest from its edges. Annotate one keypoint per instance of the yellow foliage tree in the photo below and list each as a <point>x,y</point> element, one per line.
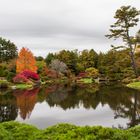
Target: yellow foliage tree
<point>25,61</point>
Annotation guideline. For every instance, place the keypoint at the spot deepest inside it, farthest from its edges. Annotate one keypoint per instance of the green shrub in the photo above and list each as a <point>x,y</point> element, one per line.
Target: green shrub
<point>4,134</point>
<point>3,71</point>
<point>10,76</point>
<point>19,131</point>
<point>135,131</point>
<point>56,132</point>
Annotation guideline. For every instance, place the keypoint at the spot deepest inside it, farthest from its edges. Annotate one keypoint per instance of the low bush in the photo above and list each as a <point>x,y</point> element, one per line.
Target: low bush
<point>20,79</point>
<point>19,131</point>
<point>26,76</point>
<point>30,75</point>
<point>4,134</point>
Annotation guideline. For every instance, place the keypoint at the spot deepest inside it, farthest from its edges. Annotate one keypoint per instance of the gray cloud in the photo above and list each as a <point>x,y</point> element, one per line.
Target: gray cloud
<point>51,25</point>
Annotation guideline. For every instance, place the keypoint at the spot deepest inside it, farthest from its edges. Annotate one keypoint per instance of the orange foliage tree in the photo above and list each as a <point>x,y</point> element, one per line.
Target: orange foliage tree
<point>26,61</point>
<point>26,101</point>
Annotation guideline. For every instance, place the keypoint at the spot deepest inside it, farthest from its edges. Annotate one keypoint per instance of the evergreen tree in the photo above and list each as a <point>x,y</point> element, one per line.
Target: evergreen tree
<point>8,50</point>
<point>126,18</point>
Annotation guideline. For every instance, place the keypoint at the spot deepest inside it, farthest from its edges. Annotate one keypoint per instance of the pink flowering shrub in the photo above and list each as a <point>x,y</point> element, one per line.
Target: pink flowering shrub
<point>20,79</point>
<point>25,77</point>
<point>30,75</point>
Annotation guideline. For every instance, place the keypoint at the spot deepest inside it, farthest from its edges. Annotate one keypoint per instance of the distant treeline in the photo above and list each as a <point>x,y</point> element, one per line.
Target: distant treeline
<point>114,64</point>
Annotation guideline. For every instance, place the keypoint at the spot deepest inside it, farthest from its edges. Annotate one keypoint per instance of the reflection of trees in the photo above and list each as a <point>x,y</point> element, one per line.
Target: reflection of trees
<point>125,102</point>
<point>26,100</point>
<point>71,97</point>
<point>131,111</point>
<point>57,93</point>
<point>122,100</point>
<point>8,109</point>
<point>8,112</point>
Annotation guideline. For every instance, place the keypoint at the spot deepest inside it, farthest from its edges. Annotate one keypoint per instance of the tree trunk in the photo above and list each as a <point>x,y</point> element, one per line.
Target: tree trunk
<point>132,56</point>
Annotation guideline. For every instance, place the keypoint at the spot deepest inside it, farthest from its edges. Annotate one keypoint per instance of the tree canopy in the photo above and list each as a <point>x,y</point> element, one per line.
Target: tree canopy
<point>26,61</point>
<point>8,50</point>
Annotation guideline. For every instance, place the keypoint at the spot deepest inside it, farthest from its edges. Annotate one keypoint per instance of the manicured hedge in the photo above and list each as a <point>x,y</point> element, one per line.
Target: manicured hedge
<point>19,131</point>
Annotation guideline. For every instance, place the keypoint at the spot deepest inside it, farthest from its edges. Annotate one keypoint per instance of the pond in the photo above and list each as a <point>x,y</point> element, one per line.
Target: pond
<point>111,106</point>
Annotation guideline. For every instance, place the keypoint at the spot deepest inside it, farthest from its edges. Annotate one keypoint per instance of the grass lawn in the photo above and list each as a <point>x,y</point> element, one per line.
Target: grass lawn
<point>135,85</point>
<point>86,80</point>
<point>23,86</point>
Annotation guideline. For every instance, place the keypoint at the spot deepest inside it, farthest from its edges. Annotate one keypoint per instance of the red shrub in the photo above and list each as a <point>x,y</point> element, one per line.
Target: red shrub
<point>25,77</point>
<point>82,75</point>
<point>30,75</point>
<point>20,79</point>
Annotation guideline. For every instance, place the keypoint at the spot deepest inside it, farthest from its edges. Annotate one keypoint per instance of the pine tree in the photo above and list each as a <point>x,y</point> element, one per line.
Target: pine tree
<point>126,18</point>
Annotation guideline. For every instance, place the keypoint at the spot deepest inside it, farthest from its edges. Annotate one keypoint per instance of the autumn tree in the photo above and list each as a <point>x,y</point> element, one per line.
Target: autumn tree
<point>26,61</point>
<point>58,66</point>
<point>126,18</point>
<point>92,72</point>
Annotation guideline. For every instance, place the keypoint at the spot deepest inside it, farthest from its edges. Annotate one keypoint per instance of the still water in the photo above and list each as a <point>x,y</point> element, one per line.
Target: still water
<point>111,106</point>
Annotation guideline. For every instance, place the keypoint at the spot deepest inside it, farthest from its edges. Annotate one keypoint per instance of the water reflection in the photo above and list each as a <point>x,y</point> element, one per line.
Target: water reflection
<point>26,100</point>
<point>124,103</point>
<point>8,108</point>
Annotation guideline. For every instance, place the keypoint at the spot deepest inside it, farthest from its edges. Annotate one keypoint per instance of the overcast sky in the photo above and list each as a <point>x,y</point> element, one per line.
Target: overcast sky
<point>51,25</point>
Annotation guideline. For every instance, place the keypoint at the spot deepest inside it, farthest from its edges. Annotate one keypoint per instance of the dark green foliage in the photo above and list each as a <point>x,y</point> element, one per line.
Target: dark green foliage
<point>3,71</point>
<point>115,65</point>
<point>39,58</point>
<point>8,50</point>
<point>17,131</point>
<point>10,76</point>
<point>8,70</point>
<point>49,58</point>
<point>88,58</point>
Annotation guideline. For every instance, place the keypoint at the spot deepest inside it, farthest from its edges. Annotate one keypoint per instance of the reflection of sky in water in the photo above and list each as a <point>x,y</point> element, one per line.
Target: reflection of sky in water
<point>43,115</point>
<point>111,106</point>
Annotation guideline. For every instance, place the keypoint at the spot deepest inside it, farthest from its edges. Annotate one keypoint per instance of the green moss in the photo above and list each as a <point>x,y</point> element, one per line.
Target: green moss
<point>135,85</point>
<point>20,131</point>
